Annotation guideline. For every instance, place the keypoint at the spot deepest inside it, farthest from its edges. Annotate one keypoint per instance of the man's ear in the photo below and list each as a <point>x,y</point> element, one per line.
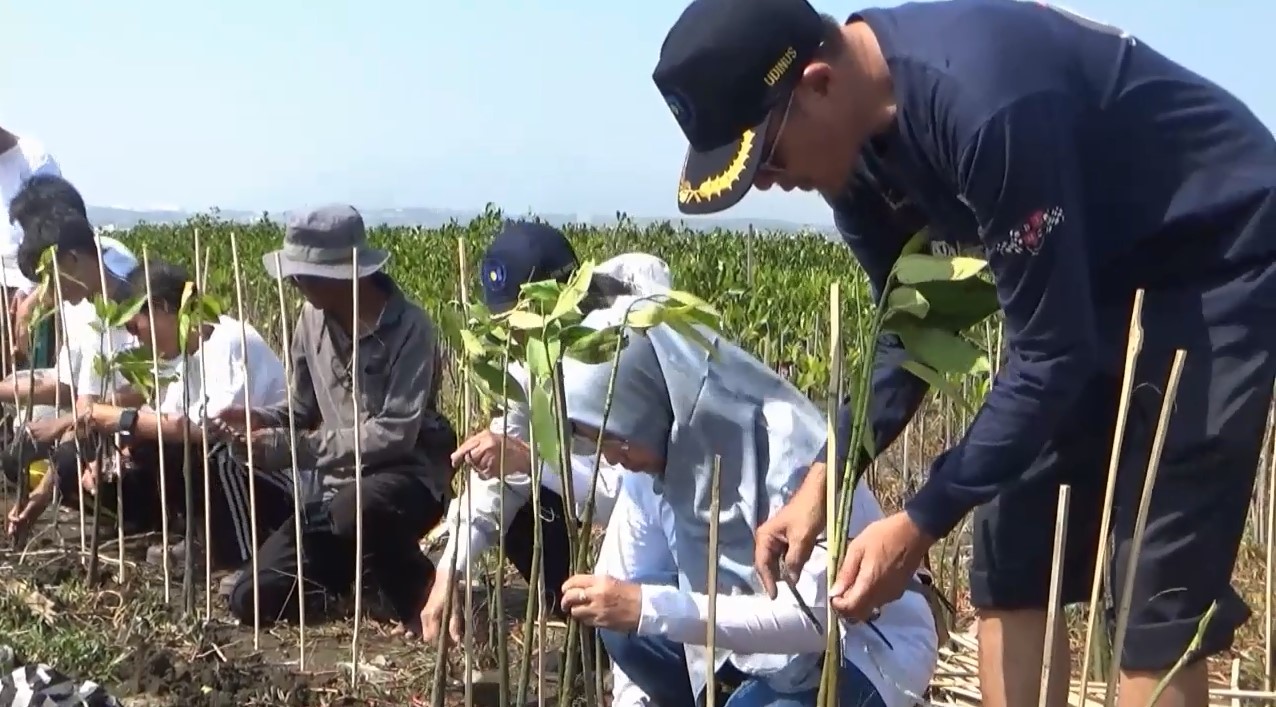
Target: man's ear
<point>816,78</point>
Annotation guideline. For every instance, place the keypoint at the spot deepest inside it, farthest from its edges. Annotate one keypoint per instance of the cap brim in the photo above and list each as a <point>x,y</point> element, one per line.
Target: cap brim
<point>370,261</point>
<point>718,179</point>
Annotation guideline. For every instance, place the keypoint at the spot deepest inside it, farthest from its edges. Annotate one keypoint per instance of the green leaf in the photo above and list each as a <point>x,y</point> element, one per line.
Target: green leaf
<point>694,302</point>
<point>943,351</point>
<point>496,384</point>
<point>590,346</point>
<point>920,267</point>
<point>544,425</point>
<point>127,311</point>
<point>937,381</point>
<point>474,348</point>
<point>916,243</point>
<point>958,305</point>
<point>523,319</point>
<point>540,292</point>
<point>569,299</point>
<point>906,300</point>
<point>645,315</point>
<point>542,355</point>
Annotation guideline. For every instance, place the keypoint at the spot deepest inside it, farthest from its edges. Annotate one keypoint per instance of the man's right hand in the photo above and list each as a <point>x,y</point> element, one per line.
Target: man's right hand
<point>236,418</point>
<point>483,452</point>
<point>20,519</point>
<point>783,543</point>
<point>432,616</point>
<point>50,430</point>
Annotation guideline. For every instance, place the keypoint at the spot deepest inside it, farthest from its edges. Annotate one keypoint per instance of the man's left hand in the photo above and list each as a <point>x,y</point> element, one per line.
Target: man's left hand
<point>49,430</point>
<point>603,602</point>
<point>879,565</point>
<point>268,446</point>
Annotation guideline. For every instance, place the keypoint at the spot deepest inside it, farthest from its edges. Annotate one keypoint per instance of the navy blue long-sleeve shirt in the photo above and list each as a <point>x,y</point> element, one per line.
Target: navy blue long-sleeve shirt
<point>1086,164</point>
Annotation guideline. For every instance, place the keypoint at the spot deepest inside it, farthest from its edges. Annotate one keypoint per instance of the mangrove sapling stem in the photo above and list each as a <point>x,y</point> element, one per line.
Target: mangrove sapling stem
<point>1269,580</point>
<point>469,565</point>
<point>850,476</point>
<point>1140,521</point>
<point>1048,665</point>
<point>502,640</point>
<point>533,605</point>
<point>580,557</point>
<point>1187,656</point>
<point>1133,347</point>
<point>711,639</point>
<point>252,477</point>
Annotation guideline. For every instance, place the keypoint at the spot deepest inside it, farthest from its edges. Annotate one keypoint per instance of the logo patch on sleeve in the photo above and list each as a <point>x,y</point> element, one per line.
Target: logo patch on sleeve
<point>1030,236</point>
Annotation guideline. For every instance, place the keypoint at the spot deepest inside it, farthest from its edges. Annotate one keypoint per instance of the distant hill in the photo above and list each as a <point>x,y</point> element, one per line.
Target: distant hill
<point>112,218</point>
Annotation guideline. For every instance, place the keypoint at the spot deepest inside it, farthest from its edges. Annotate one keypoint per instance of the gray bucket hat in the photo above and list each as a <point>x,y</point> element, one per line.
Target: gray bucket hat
<point>322,243</point>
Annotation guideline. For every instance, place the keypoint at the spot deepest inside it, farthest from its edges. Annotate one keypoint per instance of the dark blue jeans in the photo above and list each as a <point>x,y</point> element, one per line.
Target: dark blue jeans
<point>658,666</point>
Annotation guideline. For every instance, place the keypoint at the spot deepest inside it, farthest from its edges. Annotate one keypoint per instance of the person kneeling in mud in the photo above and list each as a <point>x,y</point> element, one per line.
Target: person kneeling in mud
<point>404,443</point>
<point>676,413</point>
<point>215,365</point>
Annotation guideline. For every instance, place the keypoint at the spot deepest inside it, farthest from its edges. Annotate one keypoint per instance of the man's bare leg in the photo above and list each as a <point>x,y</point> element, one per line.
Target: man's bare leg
<point>1011,653</point>
<point>1190,688</point>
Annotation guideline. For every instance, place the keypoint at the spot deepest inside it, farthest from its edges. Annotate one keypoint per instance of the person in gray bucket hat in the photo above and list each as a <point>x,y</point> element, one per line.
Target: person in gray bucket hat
<point>404,441</point>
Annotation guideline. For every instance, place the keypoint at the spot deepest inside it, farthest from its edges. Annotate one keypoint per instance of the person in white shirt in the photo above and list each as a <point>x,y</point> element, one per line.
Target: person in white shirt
<point>21,158</point>
<point>526,252</point>
<point>225,364</point>
<point>46,202</point>
<point>676,413</point>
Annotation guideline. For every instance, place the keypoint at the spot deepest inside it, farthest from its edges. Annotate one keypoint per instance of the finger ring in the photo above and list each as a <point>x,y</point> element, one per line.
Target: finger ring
<point>580,596</point>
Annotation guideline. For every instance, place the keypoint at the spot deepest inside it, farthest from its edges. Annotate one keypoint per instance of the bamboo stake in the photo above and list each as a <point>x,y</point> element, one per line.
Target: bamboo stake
<point>1056,589</point>
<point>711,640</point>
<point>159,431</point>
<point>1140,522</point>
<point>188,585</point>
<point>296,474</point>
<point>1134,345</point>
<point>248,433</point>
<point>358,468</point>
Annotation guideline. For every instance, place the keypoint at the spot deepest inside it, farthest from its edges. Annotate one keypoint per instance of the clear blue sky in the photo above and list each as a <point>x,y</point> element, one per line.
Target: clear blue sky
<point>546,105</point>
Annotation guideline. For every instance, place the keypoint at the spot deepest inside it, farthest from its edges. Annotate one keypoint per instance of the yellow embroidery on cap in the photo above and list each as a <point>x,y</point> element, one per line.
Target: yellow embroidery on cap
<point>715,186</point>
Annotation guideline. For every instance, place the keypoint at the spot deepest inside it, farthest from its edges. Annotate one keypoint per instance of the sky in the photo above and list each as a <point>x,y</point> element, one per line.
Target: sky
<point>545,106</point>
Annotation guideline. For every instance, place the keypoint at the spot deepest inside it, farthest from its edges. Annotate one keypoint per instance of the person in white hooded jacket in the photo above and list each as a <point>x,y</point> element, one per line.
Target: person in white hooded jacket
<point>526,252</point>
<point>675,413</point>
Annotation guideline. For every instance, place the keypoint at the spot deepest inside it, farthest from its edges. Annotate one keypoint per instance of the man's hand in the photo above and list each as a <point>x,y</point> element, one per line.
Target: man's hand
<point>879,565</point>
<point>50,430</point>
<point>236,418</point>
<point>88,477</point>
<point>603,602</point>
<point>783,543</point>
<point>432,616</point>
<point>483,452</point>
<point>20,519</point>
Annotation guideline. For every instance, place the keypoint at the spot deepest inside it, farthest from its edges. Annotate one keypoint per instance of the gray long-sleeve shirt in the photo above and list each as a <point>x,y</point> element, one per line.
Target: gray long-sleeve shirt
<point>398,422</point>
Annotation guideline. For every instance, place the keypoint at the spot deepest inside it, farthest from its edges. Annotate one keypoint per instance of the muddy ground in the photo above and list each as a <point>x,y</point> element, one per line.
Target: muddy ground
<point>147,651</point>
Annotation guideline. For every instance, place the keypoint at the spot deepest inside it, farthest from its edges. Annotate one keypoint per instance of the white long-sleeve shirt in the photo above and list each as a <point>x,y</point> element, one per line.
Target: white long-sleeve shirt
<point>476,512</point>
<point>640,546</point>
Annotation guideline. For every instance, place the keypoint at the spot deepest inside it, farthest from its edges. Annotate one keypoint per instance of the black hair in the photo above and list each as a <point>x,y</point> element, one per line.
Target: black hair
<point>603,291</point>
<point>42,193</point>
<point>832,44</point>
<point>60,226</point>
<point>167,284</point>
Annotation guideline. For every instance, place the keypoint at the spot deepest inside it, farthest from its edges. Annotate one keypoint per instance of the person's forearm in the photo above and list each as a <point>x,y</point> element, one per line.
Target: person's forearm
<point>44,390</point>
<point>745,623</point>
<point>173,428</point>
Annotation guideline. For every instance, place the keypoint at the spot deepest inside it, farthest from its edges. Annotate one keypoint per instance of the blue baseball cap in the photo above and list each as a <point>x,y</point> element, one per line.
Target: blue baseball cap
<point>723,68</point>
<point>523,252</point>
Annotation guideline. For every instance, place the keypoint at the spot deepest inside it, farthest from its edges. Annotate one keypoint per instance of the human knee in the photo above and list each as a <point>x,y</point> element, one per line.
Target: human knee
<point>240,599</point>
<point>1155,645</point>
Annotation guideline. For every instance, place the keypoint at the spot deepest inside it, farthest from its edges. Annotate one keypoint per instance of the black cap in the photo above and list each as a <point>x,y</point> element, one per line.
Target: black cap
<point>724,66</point>
<point>523,252</point>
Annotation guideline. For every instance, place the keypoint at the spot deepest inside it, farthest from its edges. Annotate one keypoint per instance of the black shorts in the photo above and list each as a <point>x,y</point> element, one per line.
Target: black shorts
<point>1202,494</point>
